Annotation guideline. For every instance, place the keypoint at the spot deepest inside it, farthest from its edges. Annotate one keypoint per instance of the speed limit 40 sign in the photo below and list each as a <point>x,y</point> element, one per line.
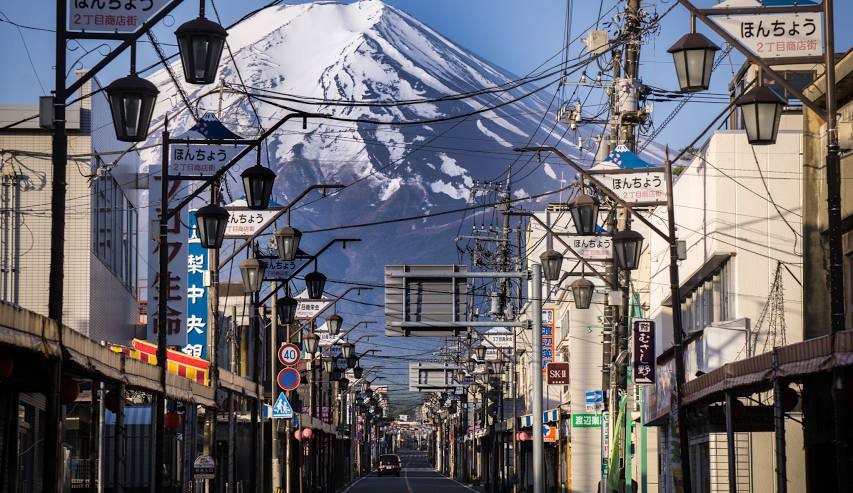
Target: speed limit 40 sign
<point>289,354</point>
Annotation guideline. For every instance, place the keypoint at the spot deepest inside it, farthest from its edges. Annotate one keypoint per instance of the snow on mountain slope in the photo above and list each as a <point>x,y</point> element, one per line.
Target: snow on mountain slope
<point>369,51</point>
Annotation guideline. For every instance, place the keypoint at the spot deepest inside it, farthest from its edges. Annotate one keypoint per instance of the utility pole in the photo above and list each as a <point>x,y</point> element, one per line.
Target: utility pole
<point>275,459</point>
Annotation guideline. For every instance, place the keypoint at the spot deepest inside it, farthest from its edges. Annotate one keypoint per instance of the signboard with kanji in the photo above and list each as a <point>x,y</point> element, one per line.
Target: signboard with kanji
<point>592,247</point>
<point>773,35</point>
<point>203,159</point>
<point>582,420</point>
<point>644,351</point>
<point>548,324</point>
<point>244,222</point>
<point>557,373</point>
<point>196,294</point>
<point>176,243</point>
<point>111,15</point>
<point>637,187</point>
<point>308,309</point>
<point>499,338</point>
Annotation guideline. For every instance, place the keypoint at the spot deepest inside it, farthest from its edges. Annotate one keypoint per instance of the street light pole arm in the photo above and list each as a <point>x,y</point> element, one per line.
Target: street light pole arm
<point>306,264</point>
<point>601,187</point>
<point>272,220</point>
<point>243,152</point>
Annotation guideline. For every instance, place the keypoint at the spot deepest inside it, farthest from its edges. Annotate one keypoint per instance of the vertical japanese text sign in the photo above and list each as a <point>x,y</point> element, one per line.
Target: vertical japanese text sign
<point>196,294</point>
<point>548,324</point>
<point>176,242</point>
<point>644,351</point>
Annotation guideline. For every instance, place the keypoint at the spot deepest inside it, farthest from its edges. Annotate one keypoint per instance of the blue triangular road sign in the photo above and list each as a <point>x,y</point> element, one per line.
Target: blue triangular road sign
<point>282,408</point>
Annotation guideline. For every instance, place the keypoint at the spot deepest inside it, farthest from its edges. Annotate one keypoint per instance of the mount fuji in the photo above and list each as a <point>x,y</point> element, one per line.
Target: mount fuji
<point>302,56</point>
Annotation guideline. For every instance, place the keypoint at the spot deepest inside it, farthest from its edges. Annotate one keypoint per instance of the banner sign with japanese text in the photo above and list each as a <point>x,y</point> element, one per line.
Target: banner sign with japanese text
<point>176,243</point>
<point>244,222</point>
<point>592,247</point>
<point>548,324</point>
<point>499,338</point>
<point>636,187</point>
<point>197,307</point>
<point>200,159</point>
<point>280,270</point>
<point>111,15</point>
<point>774,35</point>
<point>644,351</point>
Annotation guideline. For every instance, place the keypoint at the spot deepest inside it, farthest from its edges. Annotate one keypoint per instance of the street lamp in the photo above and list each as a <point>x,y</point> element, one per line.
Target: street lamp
<point>343,384</point>
<point>357,370</point>
<point>470,364</point>
<point>499,366</point>
<point>200,44</point>
<point>693,56</point>
<point>584,210</point>
<point>761,109</point>
<point>132,101</point>
<point>328,364</point>
<point>310,342</point>
<point>257,183</point>
<point>286,307</point>
<point>481,351</point>
<point>252,270</point>
<point>551,261</point>
<point>315,283</point>
<point>346,348</point>
<point>627,245</point>
<point>287,241</point>
<point>212,220</point>
<point>333,321</point>
<point>582,291</point>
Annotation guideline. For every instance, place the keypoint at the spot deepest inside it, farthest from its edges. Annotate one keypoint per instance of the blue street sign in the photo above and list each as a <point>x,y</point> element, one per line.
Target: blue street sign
<point>282,408</point>
<point>594,397</point>
<point>296,421</point>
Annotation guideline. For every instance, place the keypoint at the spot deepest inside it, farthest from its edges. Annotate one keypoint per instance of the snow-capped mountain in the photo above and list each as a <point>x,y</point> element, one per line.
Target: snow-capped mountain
<point>369,51</point>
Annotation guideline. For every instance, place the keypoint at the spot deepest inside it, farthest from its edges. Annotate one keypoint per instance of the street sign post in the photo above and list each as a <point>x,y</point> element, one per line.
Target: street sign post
<point>244,222</point>
<point>776,35</point>
<point>583,420</point>
<point>289,354</point>
<point>288,378</point>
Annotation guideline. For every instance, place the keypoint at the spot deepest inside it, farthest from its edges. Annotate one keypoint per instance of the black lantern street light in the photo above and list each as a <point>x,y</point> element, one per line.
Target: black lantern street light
<point>310,343</point>
<point>343,384</point>
<point>257,183</point>
<point>582,290</point>
<point>287,240</point>
<point>693,56</point>
<point>333,321</point>
<point>761,109</point>
<point>552,261</point>
<point>627,245</point>
<point>200,43</point>
<point>132,101</point>
<point>252,270</point>
<point>328,364</point>
<point>584,210</point>
<point>470,364</point>
<point>315,283</point>
<point>481,351</point>
<point>357,371</point>
<point>286,307</point>
<point>212,220</point>
<point>347,349</point>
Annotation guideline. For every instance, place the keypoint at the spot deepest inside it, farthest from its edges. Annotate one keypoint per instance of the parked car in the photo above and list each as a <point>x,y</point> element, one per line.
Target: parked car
<point>389,464</point>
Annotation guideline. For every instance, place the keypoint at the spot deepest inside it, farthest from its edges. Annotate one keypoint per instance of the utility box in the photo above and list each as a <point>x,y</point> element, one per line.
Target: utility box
<point>432,377</point>
<point>434,298</point>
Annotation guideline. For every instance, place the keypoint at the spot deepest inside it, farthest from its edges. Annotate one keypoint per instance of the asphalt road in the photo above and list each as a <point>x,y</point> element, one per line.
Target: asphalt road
<point>417,476</point>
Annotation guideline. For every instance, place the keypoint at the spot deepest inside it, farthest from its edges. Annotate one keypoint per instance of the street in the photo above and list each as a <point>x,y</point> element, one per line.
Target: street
<point>417,476</point>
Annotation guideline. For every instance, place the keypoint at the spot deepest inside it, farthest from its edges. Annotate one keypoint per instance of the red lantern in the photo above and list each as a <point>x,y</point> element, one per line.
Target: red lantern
<point>7,365</point>
<point>307,433</point>
<point>790,398</point>
<point>523,436</point>
<point>297,435</point>
<point>112,401</point>
<point>172,420</point>
<point>69,389</point>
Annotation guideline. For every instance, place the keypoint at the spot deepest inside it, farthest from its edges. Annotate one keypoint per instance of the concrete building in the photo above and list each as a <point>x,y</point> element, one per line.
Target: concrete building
<point>739,210</point>
<point>100,288</point>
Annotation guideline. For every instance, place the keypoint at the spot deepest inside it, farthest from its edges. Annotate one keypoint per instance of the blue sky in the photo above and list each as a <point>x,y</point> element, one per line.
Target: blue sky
<point>516,35</point>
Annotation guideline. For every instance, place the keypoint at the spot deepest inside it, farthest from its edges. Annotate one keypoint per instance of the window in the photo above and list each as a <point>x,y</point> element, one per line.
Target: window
<point>114,223</point>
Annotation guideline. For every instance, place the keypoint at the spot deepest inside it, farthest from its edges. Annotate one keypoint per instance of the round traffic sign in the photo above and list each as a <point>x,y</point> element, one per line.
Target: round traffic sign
<point>288,378</point>
<point>289,354</point>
